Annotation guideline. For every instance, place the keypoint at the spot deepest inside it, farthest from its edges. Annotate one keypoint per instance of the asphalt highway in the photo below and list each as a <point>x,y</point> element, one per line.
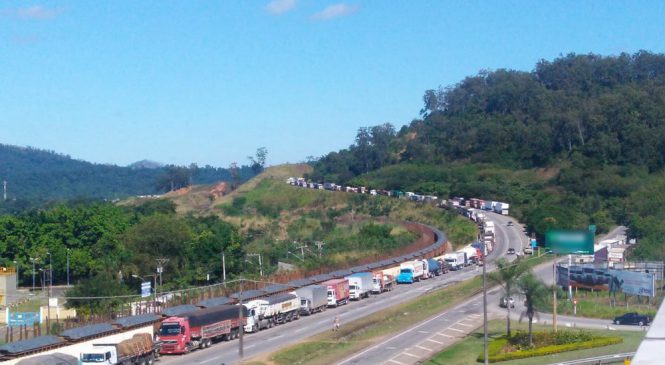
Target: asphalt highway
<point>435,331</point>
<point>287,334</point>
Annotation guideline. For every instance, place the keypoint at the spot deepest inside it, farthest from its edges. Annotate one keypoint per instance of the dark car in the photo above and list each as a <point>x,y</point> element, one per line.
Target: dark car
<point>632,318</point>
<point>511,251</point>
<point>504,301</point>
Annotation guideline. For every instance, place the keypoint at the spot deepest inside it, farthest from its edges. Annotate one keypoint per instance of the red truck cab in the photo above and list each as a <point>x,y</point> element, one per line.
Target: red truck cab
<point>174,334</point>
<point>197,329</point>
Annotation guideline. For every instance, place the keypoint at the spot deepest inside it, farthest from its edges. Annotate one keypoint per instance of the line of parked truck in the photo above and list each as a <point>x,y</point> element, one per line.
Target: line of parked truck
<point>199,328</point>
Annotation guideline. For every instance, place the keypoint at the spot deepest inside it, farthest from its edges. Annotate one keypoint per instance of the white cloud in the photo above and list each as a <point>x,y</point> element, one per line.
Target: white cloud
<point>37,12</point>
<point>279,7</point>
<point>335,11</point>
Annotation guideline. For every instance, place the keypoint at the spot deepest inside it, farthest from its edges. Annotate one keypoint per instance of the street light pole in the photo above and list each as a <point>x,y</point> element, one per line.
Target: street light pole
<point>241,323</point>
<point>17,273</point>
<point>33,259</point>
<point>485,351</point>
<point>50,283</point>
<point>67,267</point>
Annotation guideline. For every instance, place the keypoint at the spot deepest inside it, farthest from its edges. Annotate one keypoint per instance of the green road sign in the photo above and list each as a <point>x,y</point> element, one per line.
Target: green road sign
<point>564,242</point>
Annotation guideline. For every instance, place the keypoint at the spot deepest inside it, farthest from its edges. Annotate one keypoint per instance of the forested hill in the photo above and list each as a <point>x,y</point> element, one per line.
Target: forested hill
<point>580,139</point>
<point>34,176</point>
<point>586,108</point>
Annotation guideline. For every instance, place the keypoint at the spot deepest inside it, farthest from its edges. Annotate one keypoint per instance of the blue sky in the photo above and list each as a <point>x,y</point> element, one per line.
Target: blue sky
<point>210,81</point>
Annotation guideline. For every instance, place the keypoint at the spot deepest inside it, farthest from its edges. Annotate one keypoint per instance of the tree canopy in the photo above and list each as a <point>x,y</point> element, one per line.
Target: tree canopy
<point>578,140</point>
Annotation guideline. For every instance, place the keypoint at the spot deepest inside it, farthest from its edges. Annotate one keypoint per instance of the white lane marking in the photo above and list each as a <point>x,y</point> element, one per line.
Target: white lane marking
<point>211,359</point>
<point>423,331</point>
<point>410,354</point>
<point>424,322</point>
<point>464,324</point>
<point>249,346</point>
<point>445,335</point>
<point>424,348</point>
<point>397,362</point>
<point>391,348</point>
<point>455,329</point>
<point>435,341</point>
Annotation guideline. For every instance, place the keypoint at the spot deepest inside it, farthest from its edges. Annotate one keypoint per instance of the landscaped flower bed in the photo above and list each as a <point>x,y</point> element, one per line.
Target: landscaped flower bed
<point>544,343</point>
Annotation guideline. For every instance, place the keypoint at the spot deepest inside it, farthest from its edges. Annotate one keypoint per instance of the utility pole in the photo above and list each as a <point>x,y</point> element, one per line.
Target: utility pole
<point>160,270</point>
<point>260,263</point>
<point>302,249</point>
<point>320,245</point>
<point>4,190</point>
<point>223,267</point>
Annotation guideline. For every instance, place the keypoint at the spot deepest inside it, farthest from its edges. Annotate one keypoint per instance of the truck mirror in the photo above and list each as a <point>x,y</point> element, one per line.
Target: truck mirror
<point>182,330</point>
<point>108,356</point>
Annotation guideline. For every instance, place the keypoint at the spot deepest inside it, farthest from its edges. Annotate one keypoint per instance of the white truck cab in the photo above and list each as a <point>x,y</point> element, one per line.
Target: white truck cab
<point>107,355</point>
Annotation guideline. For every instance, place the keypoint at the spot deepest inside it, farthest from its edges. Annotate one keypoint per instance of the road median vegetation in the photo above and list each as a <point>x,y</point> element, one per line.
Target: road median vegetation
<point>545,343</point>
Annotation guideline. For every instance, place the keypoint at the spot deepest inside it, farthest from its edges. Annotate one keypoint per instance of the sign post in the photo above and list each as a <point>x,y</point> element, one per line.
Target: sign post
<point>563,242</point>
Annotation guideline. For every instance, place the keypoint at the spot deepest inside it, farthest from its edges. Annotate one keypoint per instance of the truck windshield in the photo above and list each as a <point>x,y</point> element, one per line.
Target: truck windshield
<point>405,271</point>
<point>352,287</point>
<point>450,260</point>
<point>331,293</point>
<point>92,358</point>
<point>169,329</point>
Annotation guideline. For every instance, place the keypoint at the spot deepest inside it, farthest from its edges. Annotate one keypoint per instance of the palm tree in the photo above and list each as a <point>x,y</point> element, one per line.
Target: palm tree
<point>531,288</point>
<point>506,276</point>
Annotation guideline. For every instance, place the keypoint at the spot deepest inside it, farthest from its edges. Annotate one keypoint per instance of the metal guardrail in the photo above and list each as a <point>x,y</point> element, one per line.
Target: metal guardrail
<point>598,360</point>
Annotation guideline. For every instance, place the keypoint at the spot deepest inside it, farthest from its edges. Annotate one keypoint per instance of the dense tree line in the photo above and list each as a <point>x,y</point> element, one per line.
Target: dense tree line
<point>593,126</point>
<point>36,176</point>
<point>102,241</point>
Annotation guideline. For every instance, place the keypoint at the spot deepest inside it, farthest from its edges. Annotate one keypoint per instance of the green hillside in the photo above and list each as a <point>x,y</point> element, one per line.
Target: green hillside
<point>37,176</point>
<point>277,218</point>
<point>579,140</point>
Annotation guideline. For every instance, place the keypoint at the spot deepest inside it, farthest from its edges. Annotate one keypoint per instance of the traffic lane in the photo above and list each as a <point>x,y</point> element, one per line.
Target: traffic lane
<point>307,326</point>
<point>506,237</point>
<point>569,321</point>
<point>456,322</point>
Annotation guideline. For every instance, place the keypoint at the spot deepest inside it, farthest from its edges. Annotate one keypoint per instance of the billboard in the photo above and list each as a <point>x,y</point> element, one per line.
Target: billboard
<point>632,282</point>
<point>145,289</point>
<point>569,241</point>
<point>599,277</point>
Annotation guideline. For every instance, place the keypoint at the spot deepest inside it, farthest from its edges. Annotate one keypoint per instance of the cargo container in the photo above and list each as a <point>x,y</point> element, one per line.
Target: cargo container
<point>338,291</point>
<point>271,311</point>
<point>313,298</point>
<point>137,350</point>
<point>381,282</point>
<point>410,272</point>
<point>360,285</point>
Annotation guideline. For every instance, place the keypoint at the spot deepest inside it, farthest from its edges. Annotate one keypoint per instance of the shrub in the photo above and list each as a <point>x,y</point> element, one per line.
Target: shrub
<point>496,347</point>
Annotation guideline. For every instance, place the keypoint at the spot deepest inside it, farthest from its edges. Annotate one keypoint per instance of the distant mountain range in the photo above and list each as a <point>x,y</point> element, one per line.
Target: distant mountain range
<point>146,164</point>
<point>35,175</point>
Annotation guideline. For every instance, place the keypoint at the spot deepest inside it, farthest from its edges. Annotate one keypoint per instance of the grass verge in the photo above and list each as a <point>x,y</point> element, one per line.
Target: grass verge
<point>466,351</point>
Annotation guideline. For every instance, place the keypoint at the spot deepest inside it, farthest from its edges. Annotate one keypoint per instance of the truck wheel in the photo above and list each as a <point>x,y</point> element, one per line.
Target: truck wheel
<point>255,328</point>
